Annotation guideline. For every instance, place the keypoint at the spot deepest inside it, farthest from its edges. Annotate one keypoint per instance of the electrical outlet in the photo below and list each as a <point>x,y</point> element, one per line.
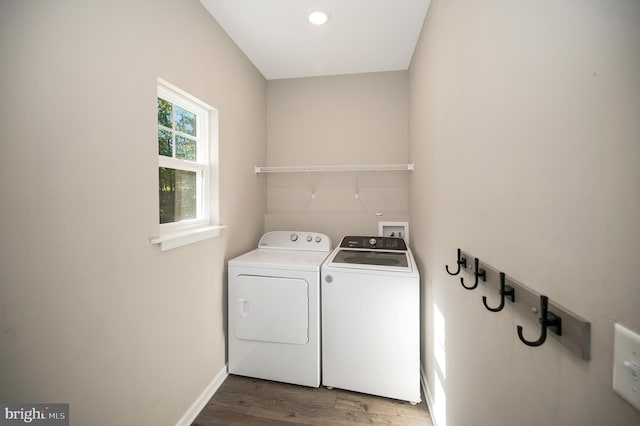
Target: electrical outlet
<point>626,365</point>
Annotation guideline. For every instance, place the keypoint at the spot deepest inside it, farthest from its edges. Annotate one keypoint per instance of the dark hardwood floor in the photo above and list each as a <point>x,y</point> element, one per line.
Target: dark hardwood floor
<point>246,401</point>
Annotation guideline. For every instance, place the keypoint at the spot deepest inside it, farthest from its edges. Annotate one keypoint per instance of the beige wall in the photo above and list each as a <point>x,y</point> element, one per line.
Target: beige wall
<point>525,134</point>
<point>90,312</point>
<point>523,127</point>
<point>338,120</point>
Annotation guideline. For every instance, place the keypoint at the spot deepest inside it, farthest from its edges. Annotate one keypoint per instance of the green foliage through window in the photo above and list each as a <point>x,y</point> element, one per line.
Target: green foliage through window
<point>184,179</point>
<point>177,131</point>
<point>165,113</point>
<point>177,195</point>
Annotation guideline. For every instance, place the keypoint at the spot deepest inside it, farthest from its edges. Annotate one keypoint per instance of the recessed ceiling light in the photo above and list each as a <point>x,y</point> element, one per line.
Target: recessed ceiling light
<point>318,18</point>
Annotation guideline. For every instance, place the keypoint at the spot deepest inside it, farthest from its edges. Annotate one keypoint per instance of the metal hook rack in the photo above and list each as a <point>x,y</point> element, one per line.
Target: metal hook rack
<point>548,320</point>
<point>571,330</point>
<point>506,292</point>
<point>461,262</point>
<point>478,273</point>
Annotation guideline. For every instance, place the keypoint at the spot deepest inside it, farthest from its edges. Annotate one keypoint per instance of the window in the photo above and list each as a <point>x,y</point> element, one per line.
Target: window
<point>187,155</point>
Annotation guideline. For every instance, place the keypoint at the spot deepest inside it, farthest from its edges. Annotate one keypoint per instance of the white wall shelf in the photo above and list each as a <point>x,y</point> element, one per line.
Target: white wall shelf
<point>346,168</point>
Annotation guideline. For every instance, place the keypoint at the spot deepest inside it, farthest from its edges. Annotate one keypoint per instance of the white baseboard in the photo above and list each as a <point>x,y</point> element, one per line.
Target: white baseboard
<point>204,397</point>
<point>427,395</point>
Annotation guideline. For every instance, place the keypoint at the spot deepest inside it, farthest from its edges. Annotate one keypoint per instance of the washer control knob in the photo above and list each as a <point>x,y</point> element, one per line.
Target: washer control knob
<point>328,279</point>
<point>318,239</point>
<point>294,237</point>
<point>373,241</point>
<point>309,238</point>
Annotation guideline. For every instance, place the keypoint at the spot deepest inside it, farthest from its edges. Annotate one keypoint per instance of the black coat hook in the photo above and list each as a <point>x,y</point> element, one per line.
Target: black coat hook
<point>479,273</point>
<point>462,261</point>
<point>547,320</point>
<point>506,291</point>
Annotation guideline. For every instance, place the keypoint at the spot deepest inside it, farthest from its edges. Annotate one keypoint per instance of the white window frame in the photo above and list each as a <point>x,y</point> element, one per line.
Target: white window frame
<point>205,224</point>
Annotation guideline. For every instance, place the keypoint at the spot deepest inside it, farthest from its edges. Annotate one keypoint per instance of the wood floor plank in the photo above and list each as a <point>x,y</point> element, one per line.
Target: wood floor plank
<point>247,401</point>
<point>365,404</point>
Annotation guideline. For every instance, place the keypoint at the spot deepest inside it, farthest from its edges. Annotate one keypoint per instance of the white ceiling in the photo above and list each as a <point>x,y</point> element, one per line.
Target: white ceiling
<point>361,35</point>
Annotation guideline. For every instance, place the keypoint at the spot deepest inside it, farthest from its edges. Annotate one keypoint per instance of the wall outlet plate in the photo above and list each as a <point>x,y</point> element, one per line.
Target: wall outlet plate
<point>626,365</point>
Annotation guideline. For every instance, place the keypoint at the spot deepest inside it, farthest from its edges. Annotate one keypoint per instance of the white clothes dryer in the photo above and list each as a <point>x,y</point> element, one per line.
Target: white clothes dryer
<point>274,308</point>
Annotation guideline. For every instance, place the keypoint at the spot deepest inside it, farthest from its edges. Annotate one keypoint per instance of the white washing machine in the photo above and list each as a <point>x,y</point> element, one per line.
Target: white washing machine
<point>274,308</point>
<point>371,318</point>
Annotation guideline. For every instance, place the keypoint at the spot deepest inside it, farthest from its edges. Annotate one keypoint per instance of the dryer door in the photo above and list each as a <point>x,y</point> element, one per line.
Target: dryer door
<point>272,309</point>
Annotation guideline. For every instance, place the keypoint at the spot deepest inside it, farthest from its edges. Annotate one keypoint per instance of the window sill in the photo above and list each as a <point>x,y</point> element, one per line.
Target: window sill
<point>182,238</point>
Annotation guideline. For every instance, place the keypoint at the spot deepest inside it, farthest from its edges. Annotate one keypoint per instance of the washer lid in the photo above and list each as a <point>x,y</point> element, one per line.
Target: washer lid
<point>379,260</point>
<point>370,257</point>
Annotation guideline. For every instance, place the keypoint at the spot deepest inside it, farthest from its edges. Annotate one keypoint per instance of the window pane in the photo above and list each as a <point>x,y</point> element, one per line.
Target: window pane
<point>185,148</point>
<point>177,195</point>
<point>165,113</point>
<point>185,121</point>
<point>165,145</point>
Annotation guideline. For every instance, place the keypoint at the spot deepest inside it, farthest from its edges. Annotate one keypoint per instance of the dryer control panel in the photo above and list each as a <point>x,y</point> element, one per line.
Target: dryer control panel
<point>295,240</point>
